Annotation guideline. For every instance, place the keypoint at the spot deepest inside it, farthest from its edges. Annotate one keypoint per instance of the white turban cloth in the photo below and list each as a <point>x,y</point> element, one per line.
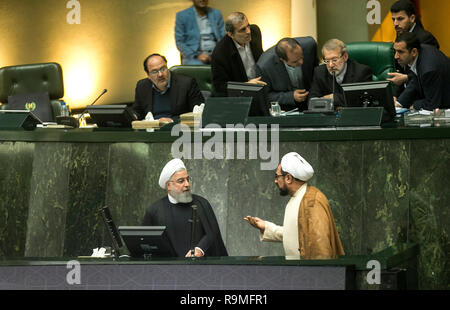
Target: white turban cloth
<point>297,166</point>
<point>169,169</point>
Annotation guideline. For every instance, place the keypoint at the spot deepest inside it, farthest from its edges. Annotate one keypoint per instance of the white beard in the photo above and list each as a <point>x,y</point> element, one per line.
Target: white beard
<point>183,197</point>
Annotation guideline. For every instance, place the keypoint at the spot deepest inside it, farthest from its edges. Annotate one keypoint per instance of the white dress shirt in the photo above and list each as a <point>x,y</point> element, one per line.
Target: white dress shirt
<point>247,59</point>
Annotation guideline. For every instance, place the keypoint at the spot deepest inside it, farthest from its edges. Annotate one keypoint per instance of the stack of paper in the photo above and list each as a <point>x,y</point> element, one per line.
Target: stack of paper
<point>191,119</point>
<point>148,124</point>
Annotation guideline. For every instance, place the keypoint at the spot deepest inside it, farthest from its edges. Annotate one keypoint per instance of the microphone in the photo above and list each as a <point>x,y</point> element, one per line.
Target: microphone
<point>72,121</point>
<point>103,92</point>
<point>193,222</point>
<point>84,111</point>
<point>334,85</point>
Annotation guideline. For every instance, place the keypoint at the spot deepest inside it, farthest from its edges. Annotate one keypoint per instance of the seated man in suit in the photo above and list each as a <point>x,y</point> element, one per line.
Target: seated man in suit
<point>404,19</point>
<point>165,94</point>
<point>235,56</point>
<point>428,87</point>
<point>288,69</point>
<point>338,69</point>
<point>197,31</point>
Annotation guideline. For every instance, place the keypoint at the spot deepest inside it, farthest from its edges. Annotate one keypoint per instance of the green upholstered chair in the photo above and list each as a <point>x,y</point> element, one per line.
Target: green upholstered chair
<point>379,56</point>
<point>201,73</point>
<point>33,78</point>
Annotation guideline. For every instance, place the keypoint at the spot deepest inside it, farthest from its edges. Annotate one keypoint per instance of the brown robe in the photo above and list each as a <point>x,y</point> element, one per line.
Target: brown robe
<point>317,233</point>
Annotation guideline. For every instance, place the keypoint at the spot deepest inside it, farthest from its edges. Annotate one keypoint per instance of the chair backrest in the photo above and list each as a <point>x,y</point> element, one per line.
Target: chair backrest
<point>379,56</point>
<point>32,78</point>
<point>201,73</point>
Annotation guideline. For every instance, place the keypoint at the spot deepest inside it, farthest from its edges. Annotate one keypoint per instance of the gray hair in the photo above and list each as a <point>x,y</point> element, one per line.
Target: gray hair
<point>334,44</point>
<point>233,18</point>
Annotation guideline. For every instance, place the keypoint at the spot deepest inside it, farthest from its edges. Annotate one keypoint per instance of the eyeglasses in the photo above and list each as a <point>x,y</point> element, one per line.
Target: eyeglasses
<point>162,70</point>
<point>181,181</point>
<point>279,175</point>
<point>332,61</point>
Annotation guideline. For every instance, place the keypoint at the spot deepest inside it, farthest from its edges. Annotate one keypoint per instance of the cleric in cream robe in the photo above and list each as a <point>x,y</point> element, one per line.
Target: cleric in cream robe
<point>308,230</point>
<point>175,212</point>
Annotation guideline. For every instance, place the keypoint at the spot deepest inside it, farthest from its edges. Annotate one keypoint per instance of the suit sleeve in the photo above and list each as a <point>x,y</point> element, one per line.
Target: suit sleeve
<point>220,25</point>
<point>138,105</point>
<point>410,93</point>
<point>433,91</point>
<point>220,75</point>
<point>195,96</point>
<point>317,86</point>
<point>180,37</point>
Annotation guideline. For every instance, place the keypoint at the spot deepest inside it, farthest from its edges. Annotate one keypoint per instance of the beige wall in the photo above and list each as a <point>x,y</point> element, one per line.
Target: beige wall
<point>107,49</point>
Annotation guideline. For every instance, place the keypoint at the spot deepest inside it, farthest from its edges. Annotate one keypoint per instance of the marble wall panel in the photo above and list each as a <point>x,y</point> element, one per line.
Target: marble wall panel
<point>16,162</point>
<point>429,211</point>
<point>87,187</point>
<point>49,199</point>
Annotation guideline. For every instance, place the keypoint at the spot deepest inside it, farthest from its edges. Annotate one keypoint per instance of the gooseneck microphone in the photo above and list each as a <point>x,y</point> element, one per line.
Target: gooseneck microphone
<point>193,222</point>
<point>85,109</point>
<point>334,86</point>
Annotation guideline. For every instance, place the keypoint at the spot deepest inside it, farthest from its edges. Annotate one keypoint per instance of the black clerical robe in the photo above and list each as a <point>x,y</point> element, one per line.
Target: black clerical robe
<point>176,219</point>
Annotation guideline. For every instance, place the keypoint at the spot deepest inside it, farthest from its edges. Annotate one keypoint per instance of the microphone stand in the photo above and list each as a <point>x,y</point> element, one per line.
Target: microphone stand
<point>193,222</point>
<point>334,86</point>
<point>85,109</point>
<point>72,121</point>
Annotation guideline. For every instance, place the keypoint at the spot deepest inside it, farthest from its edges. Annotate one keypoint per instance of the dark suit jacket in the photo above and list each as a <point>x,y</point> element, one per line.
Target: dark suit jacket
<point>184,95</point>
<point>430,88</point>
<point>211,243</point>
<point>273,72</point>
<point>226,63</point>
<point>323,81</point>
<point>424,37</point>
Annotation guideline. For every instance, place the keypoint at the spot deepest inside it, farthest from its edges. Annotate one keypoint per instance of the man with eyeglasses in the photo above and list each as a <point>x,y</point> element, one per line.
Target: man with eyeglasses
<point>166,95</point>
<point>175,212</point>
<point>336,70</point>
<point>308,230</point>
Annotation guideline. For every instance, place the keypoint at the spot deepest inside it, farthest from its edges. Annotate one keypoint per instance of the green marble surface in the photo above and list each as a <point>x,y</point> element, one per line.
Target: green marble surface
<point>382,192</point>
<point>16,167</point>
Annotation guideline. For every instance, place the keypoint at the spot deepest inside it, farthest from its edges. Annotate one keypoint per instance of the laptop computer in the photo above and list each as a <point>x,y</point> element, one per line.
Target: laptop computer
<point>226,110</point>
<point>38,103</point>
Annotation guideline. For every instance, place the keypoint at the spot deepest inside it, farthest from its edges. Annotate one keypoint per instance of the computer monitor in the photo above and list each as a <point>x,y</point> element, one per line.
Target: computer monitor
<point>259,93</point>
<point>371,94</point>
<point>114,115</point>
<point>112,230</point>
<point>147,241</point>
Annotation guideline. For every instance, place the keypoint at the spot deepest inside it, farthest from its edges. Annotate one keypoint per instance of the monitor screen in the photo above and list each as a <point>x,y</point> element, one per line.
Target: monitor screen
<point>114,115</point>
<point>371,94</point>
<point>112,230</point>
<point>144,241</point>
<point>259,93</point>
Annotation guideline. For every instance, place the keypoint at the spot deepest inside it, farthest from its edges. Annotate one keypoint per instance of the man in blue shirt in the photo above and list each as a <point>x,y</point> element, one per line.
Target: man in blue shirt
<point>197,30</point>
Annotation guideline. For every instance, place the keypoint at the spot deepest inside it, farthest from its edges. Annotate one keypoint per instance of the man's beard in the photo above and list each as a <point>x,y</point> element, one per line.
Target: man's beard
<point>283,191</point>
<point>182,197</point>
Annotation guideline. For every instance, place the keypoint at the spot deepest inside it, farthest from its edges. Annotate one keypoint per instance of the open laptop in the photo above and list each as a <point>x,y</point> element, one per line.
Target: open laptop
<point>38,103</point>
<point>226,110</point>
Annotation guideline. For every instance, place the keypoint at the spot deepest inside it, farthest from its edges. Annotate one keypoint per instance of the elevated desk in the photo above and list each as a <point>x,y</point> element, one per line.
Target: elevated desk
<point>397,271</point>
<point>385,186</point>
